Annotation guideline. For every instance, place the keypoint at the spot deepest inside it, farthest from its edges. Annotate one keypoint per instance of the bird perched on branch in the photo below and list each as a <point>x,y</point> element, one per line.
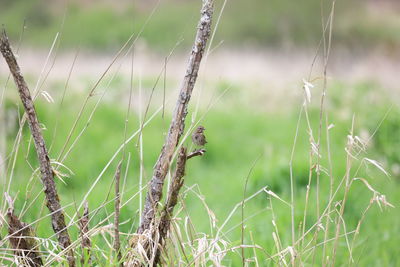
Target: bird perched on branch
<point>198,136</point>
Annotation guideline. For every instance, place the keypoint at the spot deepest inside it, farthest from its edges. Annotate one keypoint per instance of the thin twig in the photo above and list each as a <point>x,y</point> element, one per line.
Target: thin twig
<point>195,153</point>
<point>52,199</point>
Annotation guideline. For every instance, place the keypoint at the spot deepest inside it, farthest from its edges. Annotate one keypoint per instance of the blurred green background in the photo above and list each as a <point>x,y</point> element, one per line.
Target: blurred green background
<point>106,24</point>
<point>256,117</point>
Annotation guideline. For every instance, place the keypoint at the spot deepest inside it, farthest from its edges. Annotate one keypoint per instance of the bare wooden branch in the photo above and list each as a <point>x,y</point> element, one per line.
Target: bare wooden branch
<point>173,192</point>
<point>22,239</point>
<point>172,199</point>
<point>177,125</point>
<point>117,243</point>
<point>152,242</point>
<point>199,152</point>
<point>52,199</point>
<point>84,230</point>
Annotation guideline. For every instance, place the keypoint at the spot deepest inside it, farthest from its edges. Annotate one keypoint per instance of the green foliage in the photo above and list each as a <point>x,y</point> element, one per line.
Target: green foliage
<point>273,23</point>
<point>387,140</point>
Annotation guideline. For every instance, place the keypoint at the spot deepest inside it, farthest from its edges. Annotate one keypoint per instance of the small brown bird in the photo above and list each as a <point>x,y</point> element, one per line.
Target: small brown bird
<point>198,136</point>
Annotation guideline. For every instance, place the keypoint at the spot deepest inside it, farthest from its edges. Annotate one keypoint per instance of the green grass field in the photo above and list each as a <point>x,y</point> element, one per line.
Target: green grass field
<point>237,138</point>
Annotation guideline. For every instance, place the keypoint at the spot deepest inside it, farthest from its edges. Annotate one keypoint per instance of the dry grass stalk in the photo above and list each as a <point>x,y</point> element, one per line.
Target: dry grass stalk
<point>83,231</point>
<point>52,199</point>
<point>117,243</point>
<point>177,125</point>
<point>22,239</point>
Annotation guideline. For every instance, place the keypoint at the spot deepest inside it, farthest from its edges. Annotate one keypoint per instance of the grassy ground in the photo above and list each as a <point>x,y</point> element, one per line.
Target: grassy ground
<point>237,138</point>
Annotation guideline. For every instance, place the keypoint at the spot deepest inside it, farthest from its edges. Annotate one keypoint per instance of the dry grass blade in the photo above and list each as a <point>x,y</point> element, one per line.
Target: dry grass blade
<point>242,209</point>
<point>52,199</point>
<point>117,243</point>
<point>377,165</point>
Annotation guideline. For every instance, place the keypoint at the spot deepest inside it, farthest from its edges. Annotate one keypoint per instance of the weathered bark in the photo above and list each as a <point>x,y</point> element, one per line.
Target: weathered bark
<point>22,240</point>
<point>173,193</point>
<point>52,199</point>
<point>153,242</point>
<point>84,233</point>
<point>172,200</point>
<point>177,125</point>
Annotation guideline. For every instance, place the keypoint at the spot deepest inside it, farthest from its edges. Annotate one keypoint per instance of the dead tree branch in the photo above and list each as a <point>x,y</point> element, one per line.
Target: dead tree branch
<point>172,200</point>
<point>174,188</point>
<point>52,199</point>
<point>153,243</point>
<point>177,125</point>
<point>22,239</point>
